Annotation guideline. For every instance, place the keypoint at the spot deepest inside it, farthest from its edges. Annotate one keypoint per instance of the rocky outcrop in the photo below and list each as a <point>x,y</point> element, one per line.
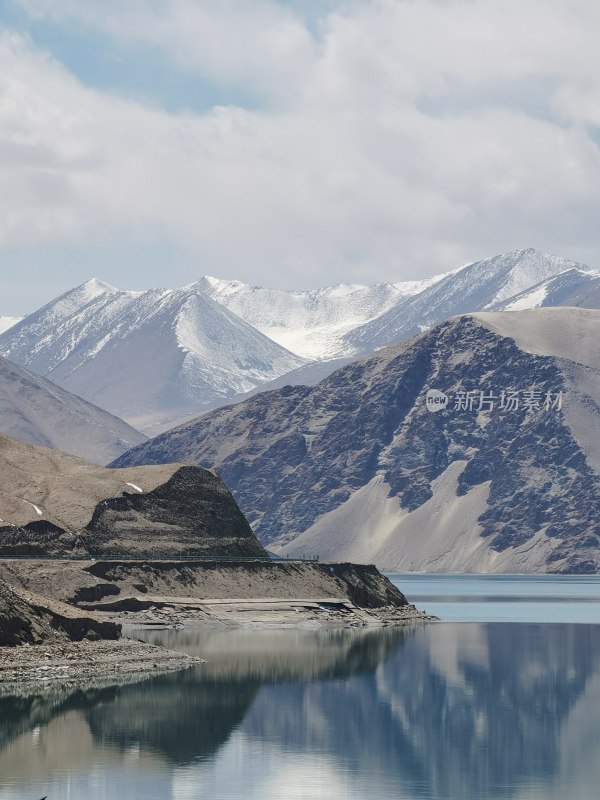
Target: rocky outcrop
<point>358,468</point>
<point>113,584</point>
<point>55,504</point>
<point>26,619</point>
<point>192,514</point>
<point>362,584</point>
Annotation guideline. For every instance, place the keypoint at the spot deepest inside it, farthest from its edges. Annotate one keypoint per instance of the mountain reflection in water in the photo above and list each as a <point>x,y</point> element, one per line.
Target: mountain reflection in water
<point>441,711</point>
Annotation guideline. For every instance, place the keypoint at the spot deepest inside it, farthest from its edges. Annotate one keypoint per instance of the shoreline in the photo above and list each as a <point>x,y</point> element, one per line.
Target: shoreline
<point>63,622</point>
<point>180,613</point>
<point>58,663</point>
<point>26,669</point>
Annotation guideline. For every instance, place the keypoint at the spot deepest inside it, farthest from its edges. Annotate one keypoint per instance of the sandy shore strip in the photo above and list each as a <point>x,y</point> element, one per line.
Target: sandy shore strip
<point>182,612</point>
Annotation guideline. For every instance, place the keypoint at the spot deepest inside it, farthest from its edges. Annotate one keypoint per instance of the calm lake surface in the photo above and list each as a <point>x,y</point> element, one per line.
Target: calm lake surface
<point>501,701</point>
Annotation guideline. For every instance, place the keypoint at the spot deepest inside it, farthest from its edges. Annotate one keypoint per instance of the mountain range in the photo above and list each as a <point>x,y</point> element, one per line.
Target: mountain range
<point>159,357</point>
<point>312,324</point>
<point>150,357</point>
<point>359,468</point>
<point>489,284</point>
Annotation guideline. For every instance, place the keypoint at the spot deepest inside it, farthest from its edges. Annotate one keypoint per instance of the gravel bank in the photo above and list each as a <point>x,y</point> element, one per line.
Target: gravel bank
<point>65,663</point>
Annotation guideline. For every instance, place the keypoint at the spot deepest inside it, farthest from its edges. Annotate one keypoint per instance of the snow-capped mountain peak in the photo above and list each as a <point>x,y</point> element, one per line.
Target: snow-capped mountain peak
<point>152,357</point>
<point>157,356</point>
<point>478,286</point>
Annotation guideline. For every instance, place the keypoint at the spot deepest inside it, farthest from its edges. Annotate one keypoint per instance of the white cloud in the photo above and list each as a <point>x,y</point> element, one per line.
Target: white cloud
<point>258,44</point>
<point>405,138</point>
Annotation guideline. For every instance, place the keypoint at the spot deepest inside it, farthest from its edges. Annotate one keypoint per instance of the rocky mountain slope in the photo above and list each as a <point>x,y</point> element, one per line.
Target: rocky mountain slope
<point>38,412</point>
<point>480,286</point>
<point>310,323</point>
<point>53,503</point>
<point>504,478</point>
<point>150,357</point>
<point>29,619</point>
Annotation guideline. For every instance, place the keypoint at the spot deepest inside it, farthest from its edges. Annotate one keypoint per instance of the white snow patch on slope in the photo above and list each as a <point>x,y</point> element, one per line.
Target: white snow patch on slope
<point>532,299</point>
<point>137,488</point>
<point>410,288</point>
<point>310,323</point>
<point>8,322</point>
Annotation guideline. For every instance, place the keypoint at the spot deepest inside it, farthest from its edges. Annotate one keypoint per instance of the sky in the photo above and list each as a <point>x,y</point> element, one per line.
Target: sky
<point>291,143</point>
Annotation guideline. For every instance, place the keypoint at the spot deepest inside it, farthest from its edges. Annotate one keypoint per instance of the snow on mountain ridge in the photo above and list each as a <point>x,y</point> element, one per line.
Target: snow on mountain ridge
<point>533,267</point>
<point>578,286</point>
<point>478,286</point>
<point>160,355</point>
<point>313,322</point>
<point>150,356</point>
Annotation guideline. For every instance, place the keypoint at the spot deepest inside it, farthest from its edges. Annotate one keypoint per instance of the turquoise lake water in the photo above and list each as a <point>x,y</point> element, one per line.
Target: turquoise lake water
<point>500,700</point>
<point>505,598</point>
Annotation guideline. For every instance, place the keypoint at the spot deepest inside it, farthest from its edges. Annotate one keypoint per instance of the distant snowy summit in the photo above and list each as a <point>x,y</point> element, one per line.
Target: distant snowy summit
<point>311,323</point>
<point>493,283</point>
<point>160,356</point>
<point>150,357</point>
<point>349,319</point>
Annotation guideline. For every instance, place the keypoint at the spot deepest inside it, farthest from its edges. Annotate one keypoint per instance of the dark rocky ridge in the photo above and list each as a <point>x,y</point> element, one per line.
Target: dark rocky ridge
<point>362,584</point>
<point>191,515</point>
<point>295,455</point>
<point>54,504</point>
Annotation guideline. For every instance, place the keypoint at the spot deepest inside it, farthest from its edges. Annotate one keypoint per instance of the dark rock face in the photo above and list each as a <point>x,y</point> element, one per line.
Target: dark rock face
<point>298,453</point>
<point>39,538</point>
<point>366,587</point>
<point>23,621</point>
<point>192,514</point>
